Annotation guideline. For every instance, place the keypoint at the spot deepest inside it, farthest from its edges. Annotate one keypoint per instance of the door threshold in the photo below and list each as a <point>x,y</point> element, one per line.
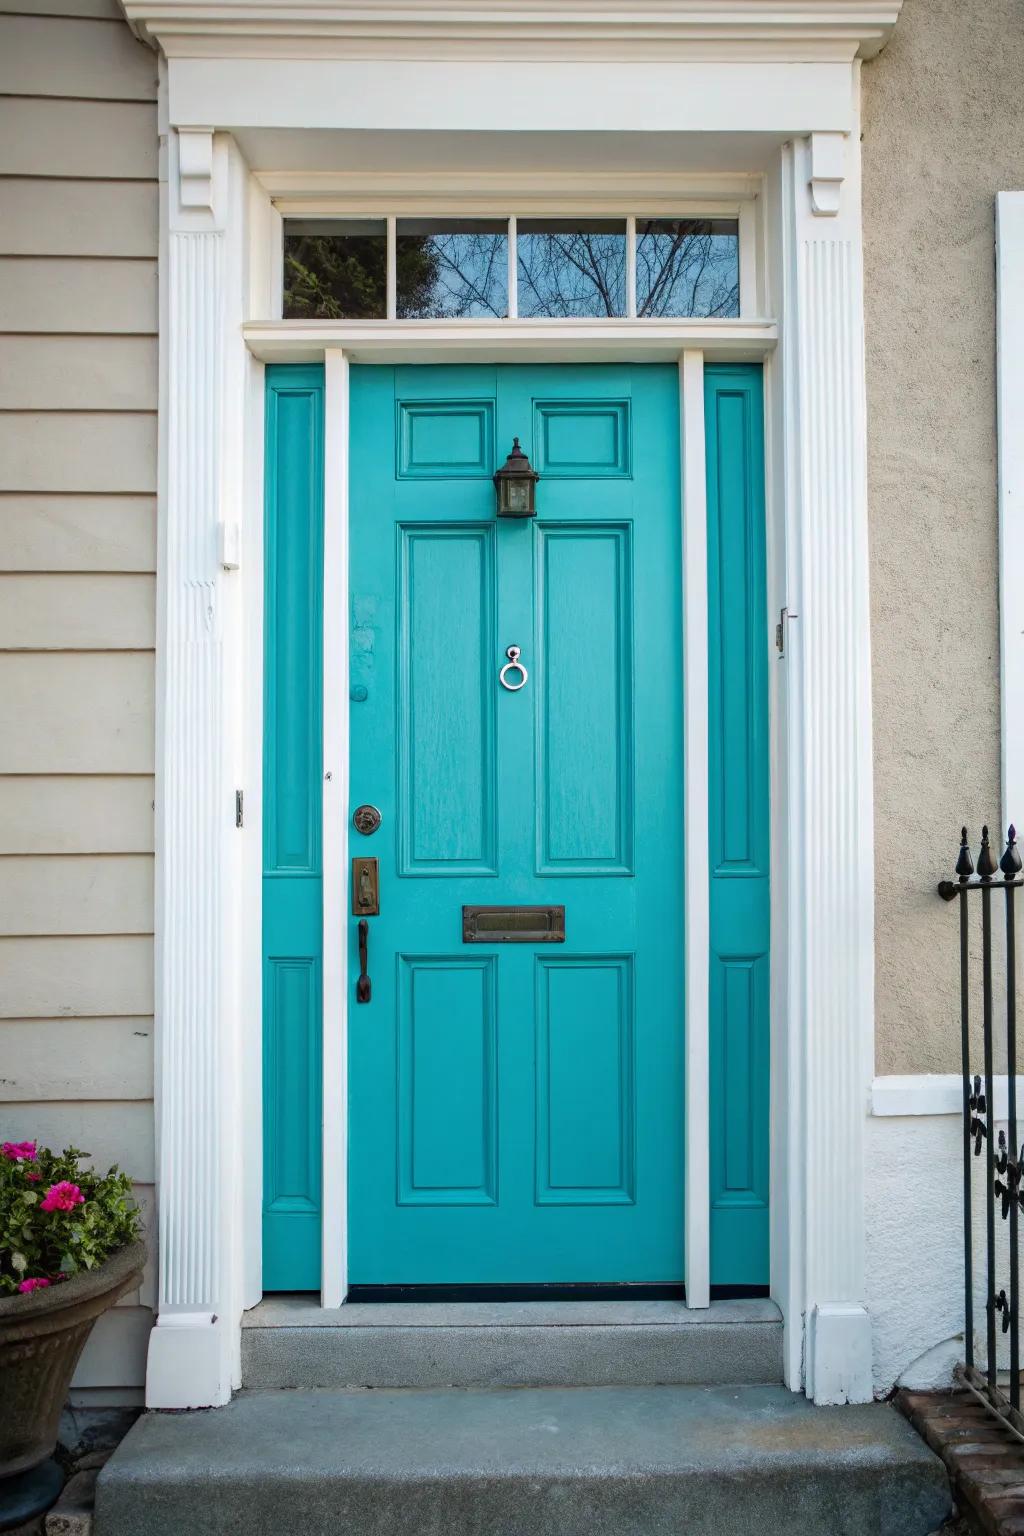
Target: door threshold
<point>601,1291</point>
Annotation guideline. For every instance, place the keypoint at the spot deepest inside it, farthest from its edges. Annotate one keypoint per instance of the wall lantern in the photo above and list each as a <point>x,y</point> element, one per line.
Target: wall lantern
<point>516,481</point>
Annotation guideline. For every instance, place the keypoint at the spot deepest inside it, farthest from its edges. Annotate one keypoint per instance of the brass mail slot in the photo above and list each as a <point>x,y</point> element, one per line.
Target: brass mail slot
<point>513,925</point>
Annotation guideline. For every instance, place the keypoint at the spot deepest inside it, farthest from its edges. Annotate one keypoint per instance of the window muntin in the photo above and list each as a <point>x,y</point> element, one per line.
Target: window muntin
<point>526,268</point>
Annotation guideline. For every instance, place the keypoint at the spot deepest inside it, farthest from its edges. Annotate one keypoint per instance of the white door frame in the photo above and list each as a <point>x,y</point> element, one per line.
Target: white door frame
<point>220,287</point>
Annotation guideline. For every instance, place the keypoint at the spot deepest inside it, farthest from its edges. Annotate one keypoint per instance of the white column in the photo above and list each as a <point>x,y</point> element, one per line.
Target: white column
<point>193,1347</point>
<point>829,905</point>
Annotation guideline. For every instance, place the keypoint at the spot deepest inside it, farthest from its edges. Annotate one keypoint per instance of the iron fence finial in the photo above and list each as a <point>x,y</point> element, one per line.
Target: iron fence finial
<point>1010,863</point>
<point>986,860</point>
<point>964,864</point>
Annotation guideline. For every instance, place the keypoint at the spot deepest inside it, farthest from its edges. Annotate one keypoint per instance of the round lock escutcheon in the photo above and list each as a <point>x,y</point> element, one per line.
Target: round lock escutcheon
<point>366,819</point>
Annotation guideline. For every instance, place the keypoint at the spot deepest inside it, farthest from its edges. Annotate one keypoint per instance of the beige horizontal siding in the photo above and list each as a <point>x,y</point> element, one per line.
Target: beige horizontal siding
<point>95,1059</point>
<point>78,448</point>
<point>77,451</point>
<point>124,1137</point>
<point>78,218</point>
<point>76,813</point>
<point>115,1354</point>
<point>76,713</point>
<point>81,612</point>
<point>78,294</point>
<point>76,977</point>
<point>78,373</point>
<point>68,533</point>
<point>101,140</point>
<point>76,894</point>
<point>70,56</point>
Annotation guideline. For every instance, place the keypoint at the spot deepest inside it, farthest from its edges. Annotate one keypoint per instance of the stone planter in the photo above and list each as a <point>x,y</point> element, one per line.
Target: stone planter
<point>42,1335</point>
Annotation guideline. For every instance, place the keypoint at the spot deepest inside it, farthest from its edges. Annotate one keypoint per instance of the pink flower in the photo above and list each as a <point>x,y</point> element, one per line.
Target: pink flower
<point>33,1178</point>
<point>19,1151</point>
<point>61,1197</point>
<point>33,1285</point>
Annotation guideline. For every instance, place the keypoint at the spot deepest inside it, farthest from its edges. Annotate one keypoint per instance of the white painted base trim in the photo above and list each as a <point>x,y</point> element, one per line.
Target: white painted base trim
<point>936,1093</point>
<point>839,1347</point>
<point>189,1361</point>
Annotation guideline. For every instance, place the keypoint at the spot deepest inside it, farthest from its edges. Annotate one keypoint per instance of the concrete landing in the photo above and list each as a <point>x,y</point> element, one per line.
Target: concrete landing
<point>607,1461</point>
<point>288,1342</point>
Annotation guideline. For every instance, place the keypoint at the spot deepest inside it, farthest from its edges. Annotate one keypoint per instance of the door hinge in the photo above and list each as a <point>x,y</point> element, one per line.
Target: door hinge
<point>780,629</point>
<point>239,807</point>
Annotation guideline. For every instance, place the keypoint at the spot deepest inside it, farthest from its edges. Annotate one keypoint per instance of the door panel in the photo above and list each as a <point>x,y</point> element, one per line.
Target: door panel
<point>446,713</point>
<point>516,1109</point>
<point>584,689</point>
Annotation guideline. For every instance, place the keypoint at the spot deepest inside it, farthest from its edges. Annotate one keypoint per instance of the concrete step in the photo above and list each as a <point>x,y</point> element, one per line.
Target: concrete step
<point>598,1461</point>
<point>287,1342</point>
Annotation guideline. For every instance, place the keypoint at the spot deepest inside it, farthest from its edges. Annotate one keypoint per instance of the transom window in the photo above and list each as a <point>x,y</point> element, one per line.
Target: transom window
<point>496,269</point>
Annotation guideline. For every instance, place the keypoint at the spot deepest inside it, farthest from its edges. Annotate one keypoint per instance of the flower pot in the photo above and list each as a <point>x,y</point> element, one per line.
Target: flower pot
<point>42,1335</point>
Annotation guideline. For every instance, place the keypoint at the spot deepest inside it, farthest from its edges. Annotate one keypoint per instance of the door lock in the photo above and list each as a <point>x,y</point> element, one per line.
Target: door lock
<point>365,888</point>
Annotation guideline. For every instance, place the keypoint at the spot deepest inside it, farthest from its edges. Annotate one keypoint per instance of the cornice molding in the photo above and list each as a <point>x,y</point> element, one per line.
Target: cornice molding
<point>565,29</point>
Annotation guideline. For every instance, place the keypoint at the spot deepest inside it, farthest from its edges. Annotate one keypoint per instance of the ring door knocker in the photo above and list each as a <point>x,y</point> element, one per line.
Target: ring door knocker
<point>513,665</point>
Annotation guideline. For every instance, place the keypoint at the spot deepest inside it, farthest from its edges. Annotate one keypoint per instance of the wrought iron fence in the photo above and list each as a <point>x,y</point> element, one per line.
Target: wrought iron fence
<point>1003,1154</point>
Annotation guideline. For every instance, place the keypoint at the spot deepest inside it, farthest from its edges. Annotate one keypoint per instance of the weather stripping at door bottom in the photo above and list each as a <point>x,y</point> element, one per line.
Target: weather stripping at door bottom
<point>513,925</point>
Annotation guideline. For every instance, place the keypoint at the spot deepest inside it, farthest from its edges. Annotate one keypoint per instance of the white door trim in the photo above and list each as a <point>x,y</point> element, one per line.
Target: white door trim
<point>208,1135</point>
<point>334,842</point>
<point>696,871</point>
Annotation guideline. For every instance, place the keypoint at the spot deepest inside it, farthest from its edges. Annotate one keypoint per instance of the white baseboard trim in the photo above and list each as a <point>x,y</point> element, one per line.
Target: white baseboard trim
<point>928,1093</point>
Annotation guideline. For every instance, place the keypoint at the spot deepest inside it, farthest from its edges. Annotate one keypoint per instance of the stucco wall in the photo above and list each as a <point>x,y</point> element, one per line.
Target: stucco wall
<point>78,386</point>
<point>943,131</point>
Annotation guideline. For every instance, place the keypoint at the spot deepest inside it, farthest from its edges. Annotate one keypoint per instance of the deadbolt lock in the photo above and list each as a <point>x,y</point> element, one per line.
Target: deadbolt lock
<point>365,888</point>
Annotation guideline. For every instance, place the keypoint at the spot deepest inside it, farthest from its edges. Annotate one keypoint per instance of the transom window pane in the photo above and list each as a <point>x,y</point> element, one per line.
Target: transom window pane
<point>451,269</point>
<point>335,270</point>
<point>572,268</point>
<point>687,267</point>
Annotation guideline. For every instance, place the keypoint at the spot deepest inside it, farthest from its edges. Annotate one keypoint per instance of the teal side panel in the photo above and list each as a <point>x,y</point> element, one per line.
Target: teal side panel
<point>738,824</point>
<point>292,854</point>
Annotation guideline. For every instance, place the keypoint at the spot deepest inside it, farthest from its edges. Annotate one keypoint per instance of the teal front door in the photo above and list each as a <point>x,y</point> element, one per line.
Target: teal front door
<point>516,1108</point>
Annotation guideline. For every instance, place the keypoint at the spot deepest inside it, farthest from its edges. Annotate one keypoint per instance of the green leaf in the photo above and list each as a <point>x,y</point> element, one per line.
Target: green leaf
<point>19,1262</point>
<point>30,1197</point>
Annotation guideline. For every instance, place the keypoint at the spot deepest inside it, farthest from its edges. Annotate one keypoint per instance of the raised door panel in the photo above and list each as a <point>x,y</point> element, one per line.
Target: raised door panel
<point>584,700</point>
<point>583,439</point>
<point>445,439</point>
<point>291,1066</point>
<point>447,770</point>
<point>447,1081</point>
<point>737,664</point>
<point>586,1110</point>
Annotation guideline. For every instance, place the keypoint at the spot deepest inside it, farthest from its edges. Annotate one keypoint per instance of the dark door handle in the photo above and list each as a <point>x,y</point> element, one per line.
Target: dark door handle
<point>363,984</point>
